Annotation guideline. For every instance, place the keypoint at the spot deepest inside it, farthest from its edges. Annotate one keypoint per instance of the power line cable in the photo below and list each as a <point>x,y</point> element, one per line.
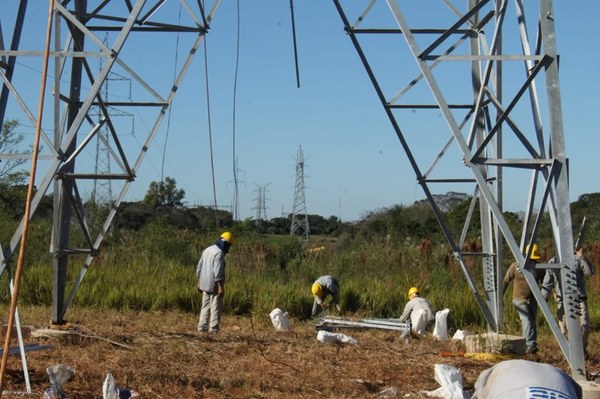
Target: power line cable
<point>237,63</point>
<point>162,169</point>
<point>243,273</point>
<point>212,161</point>
<point>294,41</point>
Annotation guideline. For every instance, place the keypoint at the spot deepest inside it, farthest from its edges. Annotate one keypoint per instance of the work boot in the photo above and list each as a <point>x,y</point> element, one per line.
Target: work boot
<point>531,350</point>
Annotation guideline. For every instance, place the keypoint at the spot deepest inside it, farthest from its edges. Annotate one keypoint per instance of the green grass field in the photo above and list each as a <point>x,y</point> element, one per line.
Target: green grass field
<point>157,272</point>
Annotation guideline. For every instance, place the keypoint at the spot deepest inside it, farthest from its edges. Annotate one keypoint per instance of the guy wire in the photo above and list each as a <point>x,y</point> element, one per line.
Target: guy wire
<point>164,155</point>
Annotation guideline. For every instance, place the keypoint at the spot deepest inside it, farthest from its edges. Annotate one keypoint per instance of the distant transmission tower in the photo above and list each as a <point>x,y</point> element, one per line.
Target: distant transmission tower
<point>102,189</point>
<point>236,193</point>
<point>102,155</point>
<point>261,203</point>
<point>299,214</point>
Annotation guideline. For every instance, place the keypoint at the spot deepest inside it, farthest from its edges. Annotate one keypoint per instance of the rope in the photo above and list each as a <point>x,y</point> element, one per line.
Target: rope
<point>162,169</point>
<point>255,336</point>
<point>212,160</point>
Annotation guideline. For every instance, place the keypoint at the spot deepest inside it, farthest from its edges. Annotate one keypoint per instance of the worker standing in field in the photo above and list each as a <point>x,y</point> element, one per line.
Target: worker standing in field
<point>322,288</point>
<point>211,282</point>
<point>583,267</point>
<point>419,310</point>
<point>523,299</point>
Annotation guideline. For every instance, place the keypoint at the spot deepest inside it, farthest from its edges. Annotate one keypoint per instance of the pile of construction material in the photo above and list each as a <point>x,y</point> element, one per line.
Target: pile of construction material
<point>335,323</point>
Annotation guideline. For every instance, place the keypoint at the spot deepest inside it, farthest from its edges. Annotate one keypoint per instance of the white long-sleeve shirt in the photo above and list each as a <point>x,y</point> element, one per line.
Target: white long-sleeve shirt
<point>415,304</point>
<point>210,269</point>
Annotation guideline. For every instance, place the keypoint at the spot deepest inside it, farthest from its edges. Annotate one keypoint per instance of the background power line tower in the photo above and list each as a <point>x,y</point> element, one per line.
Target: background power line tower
<point>506,131</point>
<point>102,193</point>
<point>235,203</point>
<point>299,215</point>
<point>76,93</point>
<point>261,203</point>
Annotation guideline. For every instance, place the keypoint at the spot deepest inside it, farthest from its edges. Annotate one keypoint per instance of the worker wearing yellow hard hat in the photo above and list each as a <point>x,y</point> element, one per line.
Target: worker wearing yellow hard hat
<point>419,310</point>
<point>522,297</point>
<point>552,284</point>
<point>323,287</point>
<point>211,282</point>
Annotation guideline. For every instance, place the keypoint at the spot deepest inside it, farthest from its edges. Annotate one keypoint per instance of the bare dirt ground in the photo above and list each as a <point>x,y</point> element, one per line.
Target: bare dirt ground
<point>160,355</point>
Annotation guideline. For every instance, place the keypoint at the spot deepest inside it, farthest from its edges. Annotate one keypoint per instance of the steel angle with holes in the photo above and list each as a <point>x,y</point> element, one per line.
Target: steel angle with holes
<point>332,323</point>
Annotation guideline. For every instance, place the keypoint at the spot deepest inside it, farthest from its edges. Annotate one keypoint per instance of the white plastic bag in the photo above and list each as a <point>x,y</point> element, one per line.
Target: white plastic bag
<point>58,375</point>
<point>109,391</point>
<point>280,320</point>
<point>440,331</point>
<point>450,381</point>
<point>460,335</point>
<point>326,336</point>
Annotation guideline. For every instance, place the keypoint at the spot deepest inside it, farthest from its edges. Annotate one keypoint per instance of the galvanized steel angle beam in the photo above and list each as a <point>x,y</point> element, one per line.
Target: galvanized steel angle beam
<point>327,323</point>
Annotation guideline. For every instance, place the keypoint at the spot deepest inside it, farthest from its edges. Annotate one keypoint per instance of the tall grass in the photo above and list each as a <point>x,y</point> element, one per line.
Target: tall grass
<point>155,270</point>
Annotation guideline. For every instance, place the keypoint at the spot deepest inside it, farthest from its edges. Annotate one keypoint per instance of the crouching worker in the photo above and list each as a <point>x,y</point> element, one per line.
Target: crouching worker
<point>420,312</point>
<point>523,379</point>
<point>323,287</point>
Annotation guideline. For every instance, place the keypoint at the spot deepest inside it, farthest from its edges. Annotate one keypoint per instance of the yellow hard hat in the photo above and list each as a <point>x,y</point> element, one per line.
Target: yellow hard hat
<point>413,291</point>
<point>227,236</point>
<point>316,289</point>
<point>535,254</point>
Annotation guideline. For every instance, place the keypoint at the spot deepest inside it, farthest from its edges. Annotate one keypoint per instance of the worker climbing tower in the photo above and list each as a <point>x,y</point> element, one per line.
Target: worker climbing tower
<point>82,31</point>
<point>299,215</point>
<point>472,91</point>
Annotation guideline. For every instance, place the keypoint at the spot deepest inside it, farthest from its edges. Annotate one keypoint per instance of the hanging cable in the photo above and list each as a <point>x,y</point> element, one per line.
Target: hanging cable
<point>210,143</point>
<point>295,47</point>
<point>30,193</point>
<point>243,273</point>
<point>164,155</point>
<point>237,63</point>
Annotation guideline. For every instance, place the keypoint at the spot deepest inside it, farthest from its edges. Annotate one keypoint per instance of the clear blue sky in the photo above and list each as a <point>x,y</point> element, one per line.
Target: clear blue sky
<point>354,162</point>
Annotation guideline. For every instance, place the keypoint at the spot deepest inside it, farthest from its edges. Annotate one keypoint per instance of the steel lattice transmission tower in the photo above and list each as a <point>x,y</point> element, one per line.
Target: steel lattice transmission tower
<point>102,192</point>
<point>75,92</point>
<point>473,96</point>
<point>261,203</point>
<point>235,206</point>
<point>299,215</point>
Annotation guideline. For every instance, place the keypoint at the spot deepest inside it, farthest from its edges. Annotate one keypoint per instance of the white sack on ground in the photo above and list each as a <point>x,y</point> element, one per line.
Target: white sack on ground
<point>109,391</point>
<point>460,335</point>
<point>450,381</point>
<point>280,320</point>
<point>418,321</point>
<point>440,330</point>
<point>58,375</point>
<point>326,336</point>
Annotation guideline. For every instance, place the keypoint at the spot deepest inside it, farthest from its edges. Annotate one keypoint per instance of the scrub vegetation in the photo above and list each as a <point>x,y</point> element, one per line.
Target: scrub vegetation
<point>151,266</point>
